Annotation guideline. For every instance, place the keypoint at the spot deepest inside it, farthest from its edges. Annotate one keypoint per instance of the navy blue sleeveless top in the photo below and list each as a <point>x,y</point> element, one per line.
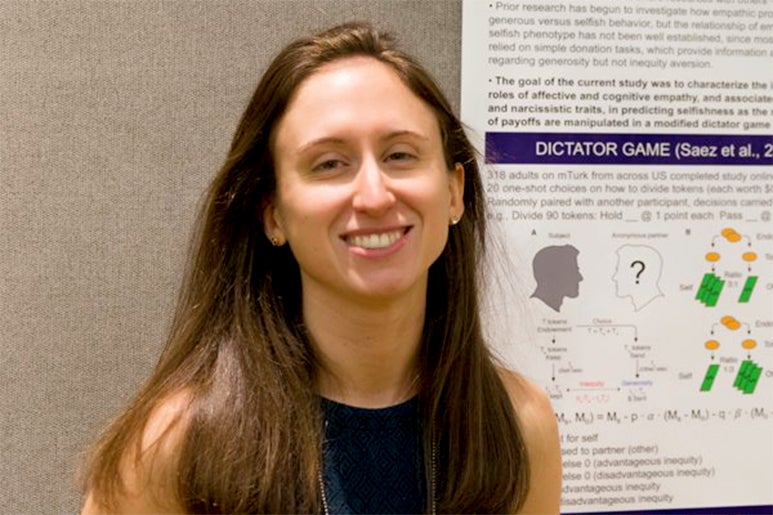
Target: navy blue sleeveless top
<point>373,459</point>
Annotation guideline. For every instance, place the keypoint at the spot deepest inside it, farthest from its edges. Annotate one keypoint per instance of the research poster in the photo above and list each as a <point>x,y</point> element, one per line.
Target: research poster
<point>628,150</point>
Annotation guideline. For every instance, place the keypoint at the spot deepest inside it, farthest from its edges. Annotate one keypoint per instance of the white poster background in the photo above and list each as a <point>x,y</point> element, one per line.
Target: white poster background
<point>644,376</point>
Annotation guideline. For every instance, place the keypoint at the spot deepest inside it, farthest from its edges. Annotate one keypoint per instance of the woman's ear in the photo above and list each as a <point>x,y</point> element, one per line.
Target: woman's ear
<point>456,188</point>
<point>272,225</point>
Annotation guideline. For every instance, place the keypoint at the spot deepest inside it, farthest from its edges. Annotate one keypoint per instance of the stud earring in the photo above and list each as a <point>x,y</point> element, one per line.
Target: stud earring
<point>455,221</point>
<point>274,241</point>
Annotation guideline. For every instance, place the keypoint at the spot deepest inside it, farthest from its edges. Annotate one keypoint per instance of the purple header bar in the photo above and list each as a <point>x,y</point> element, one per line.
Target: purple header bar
<point>628,149</point>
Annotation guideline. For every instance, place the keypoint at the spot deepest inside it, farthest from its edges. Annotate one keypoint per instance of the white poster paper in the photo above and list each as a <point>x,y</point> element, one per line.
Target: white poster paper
<point>629,170</point>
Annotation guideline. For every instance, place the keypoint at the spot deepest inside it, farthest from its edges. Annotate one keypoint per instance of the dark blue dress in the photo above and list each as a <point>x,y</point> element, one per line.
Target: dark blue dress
<point>373,459</point>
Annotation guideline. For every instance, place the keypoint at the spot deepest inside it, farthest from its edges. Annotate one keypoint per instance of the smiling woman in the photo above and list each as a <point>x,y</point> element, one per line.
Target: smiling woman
<point>327,351</point>
<point>363,195</point>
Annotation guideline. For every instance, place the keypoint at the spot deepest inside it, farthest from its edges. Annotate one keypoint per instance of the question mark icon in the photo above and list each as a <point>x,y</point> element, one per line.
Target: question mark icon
<point>638,274</point>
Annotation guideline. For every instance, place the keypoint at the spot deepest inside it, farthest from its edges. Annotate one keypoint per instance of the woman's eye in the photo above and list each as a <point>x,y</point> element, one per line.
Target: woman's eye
<point>328,165</point>
<point>400,156</point>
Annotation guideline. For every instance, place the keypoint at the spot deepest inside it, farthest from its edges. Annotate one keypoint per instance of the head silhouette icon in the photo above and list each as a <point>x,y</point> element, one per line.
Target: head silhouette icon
<point>557,275</point>
<point>637,274</point>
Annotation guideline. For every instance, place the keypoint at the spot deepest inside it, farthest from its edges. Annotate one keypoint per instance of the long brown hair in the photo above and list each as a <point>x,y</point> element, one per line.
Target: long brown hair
<point>239,348</point>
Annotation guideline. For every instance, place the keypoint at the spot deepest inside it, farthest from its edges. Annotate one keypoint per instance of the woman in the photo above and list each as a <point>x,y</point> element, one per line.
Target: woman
<point>332,285</point>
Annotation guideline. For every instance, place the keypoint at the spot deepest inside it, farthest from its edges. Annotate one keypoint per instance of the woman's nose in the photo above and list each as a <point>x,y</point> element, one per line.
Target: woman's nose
<point>372,194</point>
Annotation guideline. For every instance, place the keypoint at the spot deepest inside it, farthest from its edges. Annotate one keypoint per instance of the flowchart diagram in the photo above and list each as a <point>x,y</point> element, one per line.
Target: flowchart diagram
<point>734,338</point>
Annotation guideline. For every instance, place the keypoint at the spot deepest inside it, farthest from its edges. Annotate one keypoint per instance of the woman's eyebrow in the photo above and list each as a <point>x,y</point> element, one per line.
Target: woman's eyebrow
<point>400,133</point>
<point>320,141</point>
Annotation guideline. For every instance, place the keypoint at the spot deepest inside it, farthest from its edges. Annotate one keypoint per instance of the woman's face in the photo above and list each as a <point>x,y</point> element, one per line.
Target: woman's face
<point>364,197</point>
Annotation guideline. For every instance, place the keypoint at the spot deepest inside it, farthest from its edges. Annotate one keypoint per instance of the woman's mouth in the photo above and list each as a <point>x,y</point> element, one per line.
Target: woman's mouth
<point>375,241</point>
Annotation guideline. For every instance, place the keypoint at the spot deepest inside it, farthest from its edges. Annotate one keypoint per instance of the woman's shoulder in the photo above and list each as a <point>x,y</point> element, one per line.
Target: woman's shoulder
<point>531,403</point>
<point>539,429</point>
<point>167,423</point>
<point>147,463</point>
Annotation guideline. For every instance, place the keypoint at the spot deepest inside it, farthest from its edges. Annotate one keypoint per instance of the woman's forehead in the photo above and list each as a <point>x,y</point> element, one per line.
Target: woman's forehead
<point>354,94</point>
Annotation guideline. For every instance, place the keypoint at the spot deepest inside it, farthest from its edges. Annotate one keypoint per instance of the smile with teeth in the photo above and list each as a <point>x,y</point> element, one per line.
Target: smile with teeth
<point>375,241</point>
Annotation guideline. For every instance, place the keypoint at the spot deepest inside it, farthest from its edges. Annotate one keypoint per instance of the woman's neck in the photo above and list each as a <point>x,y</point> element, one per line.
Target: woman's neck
<point>367,352</point>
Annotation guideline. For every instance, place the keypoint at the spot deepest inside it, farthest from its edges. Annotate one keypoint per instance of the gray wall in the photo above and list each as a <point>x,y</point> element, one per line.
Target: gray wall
<point>113,117</point>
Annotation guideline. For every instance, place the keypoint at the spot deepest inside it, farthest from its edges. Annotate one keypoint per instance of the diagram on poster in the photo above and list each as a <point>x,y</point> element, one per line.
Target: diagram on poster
<point>628,166</point>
